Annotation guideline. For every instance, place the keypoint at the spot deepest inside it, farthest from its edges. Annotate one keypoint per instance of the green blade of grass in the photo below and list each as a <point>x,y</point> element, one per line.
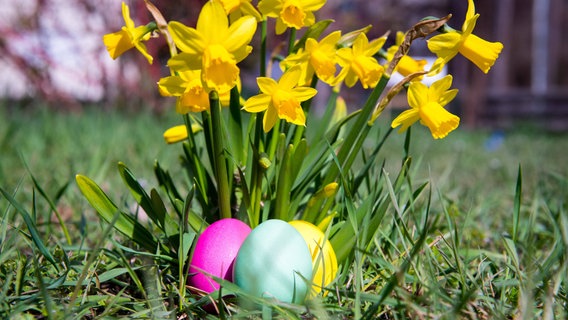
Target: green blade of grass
<point>50,202</point>
<point>517,204</point>
<point>30,224</point>
<point>106,209</point>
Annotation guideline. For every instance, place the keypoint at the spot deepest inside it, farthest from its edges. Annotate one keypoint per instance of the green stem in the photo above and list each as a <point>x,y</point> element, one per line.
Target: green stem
<point>221,174</point>
<point>291,40</point>
<point>306,106</point>
<point>282,207</point>
<point>257,170</point>
<point>199,170</point>
<point>263,49</point>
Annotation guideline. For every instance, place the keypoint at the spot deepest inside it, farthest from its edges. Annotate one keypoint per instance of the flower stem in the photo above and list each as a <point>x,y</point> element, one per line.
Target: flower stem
<point>291,40</point>
<point>263,48</point>
<point>257,171</point>
<point>221,174</point>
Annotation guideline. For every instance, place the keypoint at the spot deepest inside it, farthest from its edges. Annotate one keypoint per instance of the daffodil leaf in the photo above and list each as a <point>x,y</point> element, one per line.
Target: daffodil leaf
<point>348,38</point>
<point>152,205</point>
<point>314,31</point>
<point>107,210</point>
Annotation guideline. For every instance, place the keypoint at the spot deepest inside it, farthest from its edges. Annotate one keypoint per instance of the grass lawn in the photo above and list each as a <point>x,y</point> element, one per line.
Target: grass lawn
<point>495,245</point>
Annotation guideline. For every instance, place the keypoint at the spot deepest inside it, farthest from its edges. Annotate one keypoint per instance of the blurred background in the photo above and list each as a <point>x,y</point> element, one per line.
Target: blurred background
<point>52,54</point>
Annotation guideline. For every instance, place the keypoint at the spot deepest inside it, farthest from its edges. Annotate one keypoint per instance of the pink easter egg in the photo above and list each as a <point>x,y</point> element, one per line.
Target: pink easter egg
<point>215,253</point>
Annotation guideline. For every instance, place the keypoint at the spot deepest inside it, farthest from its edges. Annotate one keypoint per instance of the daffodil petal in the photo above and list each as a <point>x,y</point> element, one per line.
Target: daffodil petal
<point>213,22</point>
<point>257,103</point>
<point>248,9</point>
<point>290,78</point>
<point>470,12</point>
<point>171,86</point>
<point>350,78</point>
<point>468,26</point>
<point>360,44</point>
<point>374,46</point>
<point>344,56</point>
<point>142,48</point>
<point>266,85</point>
<point>185,61</point>
<point>240,33</point>
<point>331,39</point>
<point>417,94</point>
<point>312,5</point>
<point>270,8</point>
<point>445,45</point>
<point>269,119</point>
<point>447,97</point>
<point>304,93</point>
<point>309,19</point>
<point>280,26</point>
<point>186,39</point>
<point>405,119</point>
<point>128,22</point>
<point>439,87</point>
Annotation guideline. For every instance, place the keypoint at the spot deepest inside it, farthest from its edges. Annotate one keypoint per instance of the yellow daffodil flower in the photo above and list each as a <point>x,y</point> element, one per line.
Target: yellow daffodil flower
<point>179,133</point>
<point>407,65</point>
<point>427,105</point>
<point>192,96</point>
<point>239,8</point>
<point>317,57</point>
<point>213,46</point>
<point>358,62</point>
<point>481,52</point>
<point>290,13</point>
<point>128,37</point>
<point>280,99</point>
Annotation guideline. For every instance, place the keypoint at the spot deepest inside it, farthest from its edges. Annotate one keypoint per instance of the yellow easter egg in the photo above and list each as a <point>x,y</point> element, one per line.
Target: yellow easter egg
<point>324,261</point>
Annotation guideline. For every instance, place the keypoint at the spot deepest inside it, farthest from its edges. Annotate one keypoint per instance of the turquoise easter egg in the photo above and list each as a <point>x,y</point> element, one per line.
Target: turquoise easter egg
<point>274,262</point>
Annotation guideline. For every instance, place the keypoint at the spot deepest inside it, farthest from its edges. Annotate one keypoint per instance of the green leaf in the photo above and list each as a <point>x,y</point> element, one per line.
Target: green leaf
<point>106,209</point>
<point>30,224</point>
<point>314,31</point>
<point>284,184</point>
<point>517,204</point>
<point>235,127</point>
<point>152,205</point>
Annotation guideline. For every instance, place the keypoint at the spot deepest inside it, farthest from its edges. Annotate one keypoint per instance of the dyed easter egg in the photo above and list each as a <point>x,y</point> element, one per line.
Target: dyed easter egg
<point>274,262</point>
<point>324,261</point>
<point>215,253</point>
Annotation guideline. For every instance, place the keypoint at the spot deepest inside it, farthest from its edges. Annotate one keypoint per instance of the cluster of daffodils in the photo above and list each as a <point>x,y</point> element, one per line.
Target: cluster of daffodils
<point>210,53</point>
<point>250,157</point>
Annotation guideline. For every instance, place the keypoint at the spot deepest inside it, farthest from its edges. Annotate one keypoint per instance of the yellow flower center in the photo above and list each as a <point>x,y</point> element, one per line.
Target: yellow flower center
<point>323,65</point>
<point>286,105</point>
<point>220,71</point>
<point>408,65</point>
<point>481,52</point>
<point>292,14</point>
<point>367,70</point>
<point>194,99</point>
<point>439,120</point>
